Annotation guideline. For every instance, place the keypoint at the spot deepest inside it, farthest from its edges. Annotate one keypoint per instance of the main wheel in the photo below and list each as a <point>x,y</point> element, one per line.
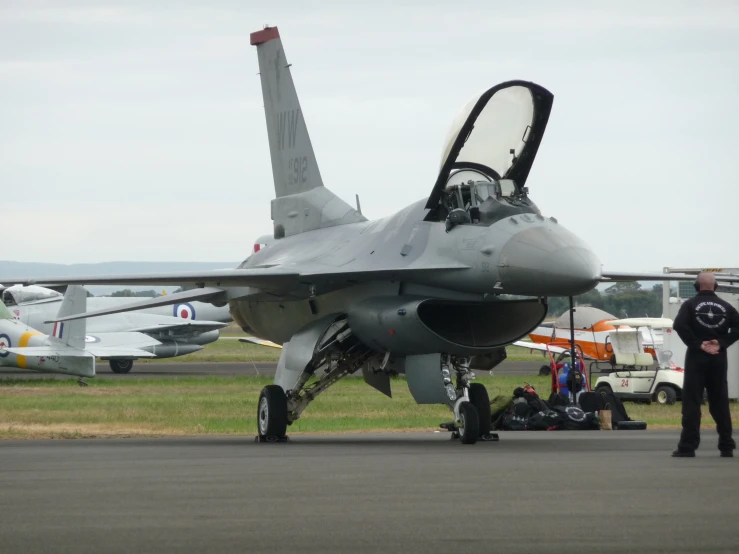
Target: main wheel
<point>545,370</point>
<point>665,395</point>
<point>481,401</point>
<point>121,366</point>
<point>272,413</point>
<point>469,431</point>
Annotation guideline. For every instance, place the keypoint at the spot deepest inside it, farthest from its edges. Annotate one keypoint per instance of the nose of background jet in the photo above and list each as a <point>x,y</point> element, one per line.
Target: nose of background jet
<point>548,260</point>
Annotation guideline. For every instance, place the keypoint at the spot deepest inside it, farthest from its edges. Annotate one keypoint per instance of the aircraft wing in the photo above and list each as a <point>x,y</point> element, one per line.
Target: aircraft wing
<point>100,352</point>
<point>125,343</point>
<point>260,342</point>
<point>543,348</point>
<point>538,346</point>
<point>652,322</point>
<point>615,276</point>
<point>269,279</point>
<point>264,278</point>
<point>187,327</point>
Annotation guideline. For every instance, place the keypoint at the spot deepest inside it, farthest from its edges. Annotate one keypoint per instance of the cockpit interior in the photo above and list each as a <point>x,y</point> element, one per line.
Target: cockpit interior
<point>472,197</point>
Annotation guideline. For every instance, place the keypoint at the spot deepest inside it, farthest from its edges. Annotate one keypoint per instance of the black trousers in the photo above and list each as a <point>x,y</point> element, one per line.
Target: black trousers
<point>705,371</point>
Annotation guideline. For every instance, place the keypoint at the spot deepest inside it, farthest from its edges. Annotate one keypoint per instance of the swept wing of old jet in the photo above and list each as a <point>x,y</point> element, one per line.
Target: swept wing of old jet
<point>424,292</point>
<point>68,349</point>
<point>179,329</point>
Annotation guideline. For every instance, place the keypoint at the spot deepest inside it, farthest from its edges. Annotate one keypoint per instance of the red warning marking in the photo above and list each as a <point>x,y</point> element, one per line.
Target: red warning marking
<point>265,35</point>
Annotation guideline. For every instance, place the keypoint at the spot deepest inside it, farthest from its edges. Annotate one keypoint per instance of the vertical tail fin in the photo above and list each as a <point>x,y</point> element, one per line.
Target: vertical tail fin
<point>298,185</point>
<point>71,333</point>
<point>294,165</point>
<point>4,311</point>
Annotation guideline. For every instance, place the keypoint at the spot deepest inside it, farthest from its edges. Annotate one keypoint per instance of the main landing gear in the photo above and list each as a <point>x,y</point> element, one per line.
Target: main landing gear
<point>277,409</point>
<point>272,415</point>
<point>121,366</point>
<point>469,402</point>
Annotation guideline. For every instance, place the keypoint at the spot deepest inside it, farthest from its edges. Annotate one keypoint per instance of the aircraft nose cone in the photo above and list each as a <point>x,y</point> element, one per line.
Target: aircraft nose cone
<point>548,260</point>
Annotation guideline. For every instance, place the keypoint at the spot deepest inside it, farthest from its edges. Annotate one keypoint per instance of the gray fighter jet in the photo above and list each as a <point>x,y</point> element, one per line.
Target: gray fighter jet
<point>424,292</point>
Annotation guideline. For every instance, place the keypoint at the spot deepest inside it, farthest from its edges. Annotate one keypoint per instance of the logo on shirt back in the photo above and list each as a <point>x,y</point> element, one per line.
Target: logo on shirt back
<point>710,314</point>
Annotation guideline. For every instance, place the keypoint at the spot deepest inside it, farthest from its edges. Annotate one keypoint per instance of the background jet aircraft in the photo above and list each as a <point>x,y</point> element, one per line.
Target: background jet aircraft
<point>418,292</point>
<point>179,329</point>
<point>68,350</point>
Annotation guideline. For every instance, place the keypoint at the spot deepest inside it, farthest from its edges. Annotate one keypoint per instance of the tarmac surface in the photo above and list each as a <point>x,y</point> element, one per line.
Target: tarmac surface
<point>223,369</point>
<point>550,492</point>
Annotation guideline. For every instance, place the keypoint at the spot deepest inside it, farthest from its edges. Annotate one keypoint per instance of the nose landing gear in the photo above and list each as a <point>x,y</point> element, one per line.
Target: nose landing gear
<point>471,406</point>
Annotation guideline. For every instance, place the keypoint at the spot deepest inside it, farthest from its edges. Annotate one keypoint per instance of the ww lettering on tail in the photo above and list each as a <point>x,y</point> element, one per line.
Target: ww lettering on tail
<point>287,128</point>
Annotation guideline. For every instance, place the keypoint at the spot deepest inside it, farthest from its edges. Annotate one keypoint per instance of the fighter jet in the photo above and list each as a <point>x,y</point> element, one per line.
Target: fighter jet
<point>68,349</point>
<point>180,329</point>
<point>424,292</point>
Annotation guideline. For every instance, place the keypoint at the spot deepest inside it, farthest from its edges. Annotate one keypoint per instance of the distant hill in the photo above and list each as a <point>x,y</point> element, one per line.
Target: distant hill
<point>46,270</point>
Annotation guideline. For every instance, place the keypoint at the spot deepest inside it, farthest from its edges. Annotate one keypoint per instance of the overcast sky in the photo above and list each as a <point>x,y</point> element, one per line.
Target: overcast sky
<point>135,130</point>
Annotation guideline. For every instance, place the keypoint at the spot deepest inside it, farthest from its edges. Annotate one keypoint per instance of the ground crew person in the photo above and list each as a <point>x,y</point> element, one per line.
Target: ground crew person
<point>707,325</point>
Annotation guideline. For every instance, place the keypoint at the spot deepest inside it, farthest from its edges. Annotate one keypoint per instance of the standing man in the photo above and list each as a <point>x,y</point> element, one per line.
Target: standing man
<point>707,325</point>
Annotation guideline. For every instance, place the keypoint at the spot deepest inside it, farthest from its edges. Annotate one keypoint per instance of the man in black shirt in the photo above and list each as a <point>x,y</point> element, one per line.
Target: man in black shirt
<point>707,325</point>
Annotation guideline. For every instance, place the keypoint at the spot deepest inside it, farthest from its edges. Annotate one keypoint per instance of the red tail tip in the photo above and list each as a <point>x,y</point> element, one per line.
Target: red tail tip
<point>265,35</point>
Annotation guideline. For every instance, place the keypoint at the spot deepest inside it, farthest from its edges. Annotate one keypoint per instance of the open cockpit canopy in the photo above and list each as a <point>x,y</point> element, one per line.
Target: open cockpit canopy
<point>490,149</point>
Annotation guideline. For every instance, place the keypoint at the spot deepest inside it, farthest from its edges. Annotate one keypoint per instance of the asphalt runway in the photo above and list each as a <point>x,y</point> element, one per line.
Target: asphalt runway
<point>558,492</point>
<point>196,369</point>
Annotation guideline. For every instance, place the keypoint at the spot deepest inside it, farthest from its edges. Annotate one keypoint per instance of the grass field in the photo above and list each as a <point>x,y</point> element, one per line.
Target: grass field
<point>49,408</point>
<point>230,350</point>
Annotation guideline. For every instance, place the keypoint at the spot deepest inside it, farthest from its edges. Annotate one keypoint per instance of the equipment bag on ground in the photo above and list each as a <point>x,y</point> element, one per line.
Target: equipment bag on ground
<point>577,420</point>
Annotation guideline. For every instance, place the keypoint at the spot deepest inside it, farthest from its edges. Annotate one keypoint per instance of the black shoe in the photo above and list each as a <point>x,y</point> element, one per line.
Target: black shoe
<point>727,453</point>
<point>683,454</point>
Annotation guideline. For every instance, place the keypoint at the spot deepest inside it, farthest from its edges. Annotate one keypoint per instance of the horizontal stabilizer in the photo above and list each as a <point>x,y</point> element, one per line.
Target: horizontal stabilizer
<point>94,351</point>
<point>260,342</point>
<point>60,351</point>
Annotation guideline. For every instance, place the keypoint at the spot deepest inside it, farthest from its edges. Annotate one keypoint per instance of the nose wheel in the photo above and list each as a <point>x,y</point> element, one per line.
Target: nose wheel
<point>468,427</point>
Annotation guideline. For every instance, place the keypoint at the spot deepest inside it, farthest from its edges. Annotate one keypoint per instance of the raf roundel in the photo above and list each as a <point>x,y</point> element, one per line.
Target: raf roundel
<point>4,343</point>
<point>184,311</point>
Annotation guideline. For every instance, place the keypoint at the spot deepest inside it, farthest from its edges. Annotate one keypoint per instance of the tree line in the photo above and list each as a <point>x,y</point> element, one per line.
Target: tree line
<point>620,299</point>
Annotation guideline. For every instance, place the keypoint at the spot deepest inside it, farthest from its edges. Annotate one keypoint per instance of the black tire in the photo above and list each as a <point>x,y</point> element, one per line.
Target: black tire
<point>121,366</point>
<point>545,370</point>
<point>481,401</point>
<point>665,396</point>
<point>470,429</point>
<point>604,388</point>
<point>272,413</point>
